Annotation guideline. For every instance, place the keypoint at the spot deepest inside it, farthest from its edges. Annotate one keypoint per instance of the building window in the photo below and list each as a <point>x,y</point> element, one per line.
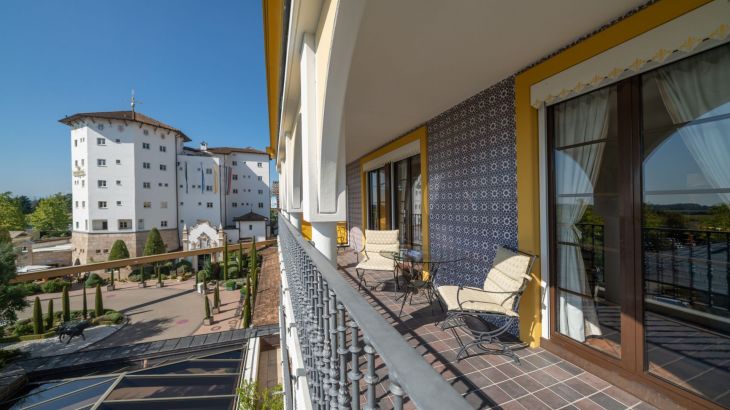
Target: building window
<point>163,167</point>
<point>261,178</point>
<point>260,165</point>
<point>76,143</point>
<point>145,132</point>
<point>101,162</point>
<point>163,148</point>
<point>208,171</point>
<point>261,191</point>
<point>102,204</point>
<point>117,140</point>
<point>99,225</point>
<point>235,177</point>
<point>146,165</point>
<point>119,203</point>
<point>235,204</point>
<point>145,145</point>
<point>235,190</point>
<point>261,204</point>
<point>119,162</point>
<point>77,224</point>
<point>83,204</point>
<point>101,183</point>
<point>124,224</point>
<point>101,141</point>
<point>146,185</point>
<point>209,205</point>
<point>182,203</point>
<point>234,163</point>
<point>119,183</point>
<point>163,224</point>
<point>250,227</point>
<point>159,184</point>
<point>147,204</point>
<point>140,224</point>
<point>86,224</point>
<point>83,183</point>
<point>98,251</point>
<point>208,188</point>
<point>77,204</point>
<point>163,204</point>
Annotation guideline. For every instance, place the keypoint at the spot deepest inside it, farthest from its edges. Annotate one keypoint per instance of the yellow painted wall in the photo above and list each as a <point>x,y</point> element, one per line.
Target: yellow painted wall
<point>528,190</point>
<point>342,235</point>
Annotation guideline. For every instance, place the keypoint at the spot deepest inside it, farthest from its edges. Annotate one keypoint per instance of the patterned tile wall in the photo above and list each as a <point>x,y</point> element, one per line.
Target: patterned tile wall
<point>354,204</point>
<point>473,182</point>
<point>472,174</point>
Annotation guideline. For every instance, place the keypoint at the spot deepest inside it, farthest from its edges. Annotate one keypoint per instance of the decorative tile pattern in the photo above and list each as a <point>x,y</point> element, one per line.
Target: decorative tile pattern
<point>472,175</point>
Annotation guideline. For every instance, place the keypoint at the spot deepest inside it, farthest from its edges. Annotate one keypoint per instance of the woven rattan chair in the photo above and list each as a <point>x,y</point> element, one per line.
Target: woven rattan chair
<point>468,307</point>
<point>371,259</point>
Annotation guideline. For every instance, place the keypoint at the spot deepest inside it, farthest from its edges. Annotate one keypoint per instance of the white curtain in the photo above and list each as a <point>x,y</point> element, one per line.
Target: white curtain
<point>698,88</point>
<point>577,121</point>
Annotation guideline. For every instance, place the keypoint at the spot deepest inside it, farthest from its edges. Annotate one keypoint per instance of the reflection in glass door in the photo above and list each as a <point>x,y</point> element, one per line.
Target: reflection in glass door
<point>686,223</point>
<point>585,160</point>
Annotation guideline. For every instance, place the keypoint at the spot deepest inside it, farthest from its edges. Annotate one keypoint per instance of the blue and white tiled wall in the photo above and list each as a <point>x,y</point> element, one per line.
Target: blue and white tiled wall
<point>473,182</point>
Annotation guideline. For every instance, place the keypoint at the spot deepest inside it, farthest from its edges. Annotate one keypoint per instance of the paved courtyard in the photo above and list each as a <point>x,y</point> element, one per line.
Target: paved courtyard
<point>154,313</point>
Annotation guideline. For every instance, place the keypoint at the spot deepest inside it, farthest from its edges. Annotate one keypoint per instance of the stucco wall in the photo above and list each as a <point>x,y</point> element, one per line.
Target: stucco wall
<point>473,182</point>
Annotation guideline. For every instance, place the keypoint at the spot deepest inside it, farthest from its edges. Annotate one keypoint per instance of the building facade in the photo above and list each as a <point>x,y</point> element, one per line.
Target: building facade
<point>596,142</point>
<point>132,173</point>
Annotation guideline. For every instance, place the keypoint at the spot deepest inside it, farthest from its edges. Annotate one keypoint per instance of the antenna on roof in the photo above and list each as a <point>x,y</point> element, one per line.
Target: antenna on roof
<point>133,103</point>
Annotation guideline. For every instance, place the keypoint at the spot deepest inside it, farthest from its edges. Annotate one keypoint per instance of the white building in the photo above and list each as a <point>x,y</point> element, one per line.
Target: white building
<point>125,170</point>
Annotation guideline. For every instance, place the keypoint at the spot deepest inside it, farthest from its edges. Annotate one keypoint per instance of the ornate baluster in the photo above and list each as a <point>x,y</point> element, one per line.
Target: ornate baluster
<point>333,348</point>
<point>398,393</point>
<point>324,353</point>
<point>371,378</point>
<point>354,374</point>
<point>342,397</point>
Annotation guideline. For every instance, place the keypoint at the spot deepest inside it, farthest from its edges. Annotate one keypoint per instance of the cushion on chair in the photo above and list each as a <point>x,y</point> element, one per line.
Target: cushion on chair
<point>380,237</point>
<point>508,273</point>
<point>473,299</point>
<point>376,241</point>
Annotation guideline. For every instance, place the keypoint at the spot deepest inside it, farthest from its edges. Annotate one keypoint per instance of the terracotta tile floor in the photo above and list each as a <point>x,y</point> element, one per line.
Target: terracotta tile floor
<point>542,381</point>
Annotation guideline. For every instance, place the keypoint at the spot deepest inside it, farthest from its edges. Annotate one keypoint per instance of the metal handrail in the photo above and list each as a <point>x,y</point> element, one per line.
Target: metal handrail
<point>123,263</point>
<point>407,370</point>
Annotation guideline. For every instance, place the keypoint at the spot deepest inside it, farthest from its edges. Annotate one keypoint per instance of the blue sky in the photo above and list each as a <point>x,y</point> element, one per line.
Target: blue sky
<point>196,65</point>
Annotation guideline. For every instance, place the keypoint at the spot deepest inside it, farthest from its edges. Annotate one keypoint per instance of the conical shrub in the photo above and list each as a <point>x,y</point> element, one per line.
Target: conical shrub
<point>98,303</point>
<point>225,262</point>
<point>217,297</point>
<point>65,305</point>
<point>37,316</point>
<point>84,306</point>
<point>207,307</point>
<point>247,309</point>
<point>49,318</point>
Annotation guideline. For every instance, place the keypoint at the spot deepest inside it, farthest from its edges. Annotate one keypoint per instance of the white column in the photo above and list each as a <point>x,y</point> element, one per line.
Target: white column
<point>296,219</point>
<point>324,236</point>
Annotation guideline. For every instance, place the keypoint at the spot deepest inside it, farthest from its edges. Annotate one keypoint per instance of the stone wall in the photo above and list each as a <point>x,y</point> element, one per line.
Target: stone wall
<point>85,245</point>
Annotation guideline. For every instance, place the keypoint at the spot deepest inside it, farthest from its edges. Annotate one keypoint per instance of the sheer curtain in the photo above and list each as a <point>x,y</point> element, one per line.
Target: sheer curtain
<point>695,89</point>
<point>577,121</point>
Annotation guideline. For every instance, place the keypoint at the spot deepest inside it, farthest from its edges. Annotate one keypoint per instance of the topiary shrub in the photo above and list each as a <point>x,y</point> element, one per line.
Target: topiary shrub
<point>98,303</point>
<point>37,316</point>
<point>66,305</point>
<point>32,288</point>
<point>94,280</point>
<point>49,317</point>
<point>217,297</point>
<point>207,307</point>
<point>22,328</point>
<point>84,307</point>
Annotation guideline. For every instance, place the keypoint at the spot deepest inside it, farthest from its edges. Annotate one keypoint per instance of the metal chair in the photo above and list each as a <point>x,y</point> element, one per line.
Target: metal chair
<point>467,307</point>
<point>372,260</point>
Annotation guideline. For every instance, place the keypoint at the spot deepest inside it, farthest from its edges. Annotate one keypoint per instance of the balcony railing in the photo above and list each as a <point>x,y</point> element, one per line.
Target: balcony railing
<point>325,307</point>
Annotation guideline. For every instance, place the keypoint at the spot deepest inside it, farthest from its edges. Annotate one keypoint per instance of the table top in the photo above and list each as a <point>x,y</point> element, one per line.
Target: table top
<point>411,255</point>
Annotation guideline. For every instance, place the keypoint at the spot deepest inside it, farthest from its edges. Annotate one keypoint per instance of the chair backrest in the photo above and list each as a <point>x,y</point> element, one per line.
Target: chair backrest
<point>508,277</point>
<point>376,241</point>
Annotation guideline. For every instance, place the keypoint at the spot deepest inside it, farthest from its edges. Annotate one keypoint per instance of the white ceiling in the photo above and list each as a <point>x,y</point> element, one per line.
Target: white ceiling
<point>416,58</point>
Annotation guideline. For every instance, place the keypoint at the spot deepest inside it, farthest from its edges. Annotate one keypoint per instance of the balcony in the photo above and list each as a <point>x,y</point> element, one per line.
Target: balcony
<point>356,350</point>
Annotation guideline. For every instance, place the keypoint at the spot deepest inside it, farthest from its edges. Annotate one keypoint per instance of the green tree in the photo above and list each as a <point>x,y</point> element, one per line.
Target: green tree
<point>225,261</point>
<point>217,297</point>
<point>246,313</point>
<point>65,305</point>
<point>119,251</point>
<point>49,319</point>
<point>207,307</point>
<point>12,297</point>
<point>154,246</point>
<point>11,213</point>
<point>5,236</point>
<point>84,306</point>
<point>98,303</point>
<point>37,317</point>
<point>26,205</point>
<point>51,216</point>
<point>253,269</point>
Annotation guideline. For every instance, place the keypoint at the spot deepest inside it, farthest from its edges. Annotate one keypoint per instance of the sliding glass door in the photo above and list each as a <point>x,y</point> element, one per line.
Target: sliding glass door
<point>640,225</point>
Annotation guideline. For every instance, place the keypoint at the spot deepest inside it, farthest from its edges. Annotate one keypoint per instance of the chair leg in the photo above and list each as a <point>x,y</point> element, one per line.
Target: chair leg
<point>361,279</point>
<point>402,305</point>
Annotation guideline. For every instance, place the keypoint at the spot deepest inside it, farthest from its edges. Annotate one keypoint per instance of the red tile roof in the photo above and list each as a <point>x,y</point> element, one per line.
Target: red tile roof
<point>124,116</point>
